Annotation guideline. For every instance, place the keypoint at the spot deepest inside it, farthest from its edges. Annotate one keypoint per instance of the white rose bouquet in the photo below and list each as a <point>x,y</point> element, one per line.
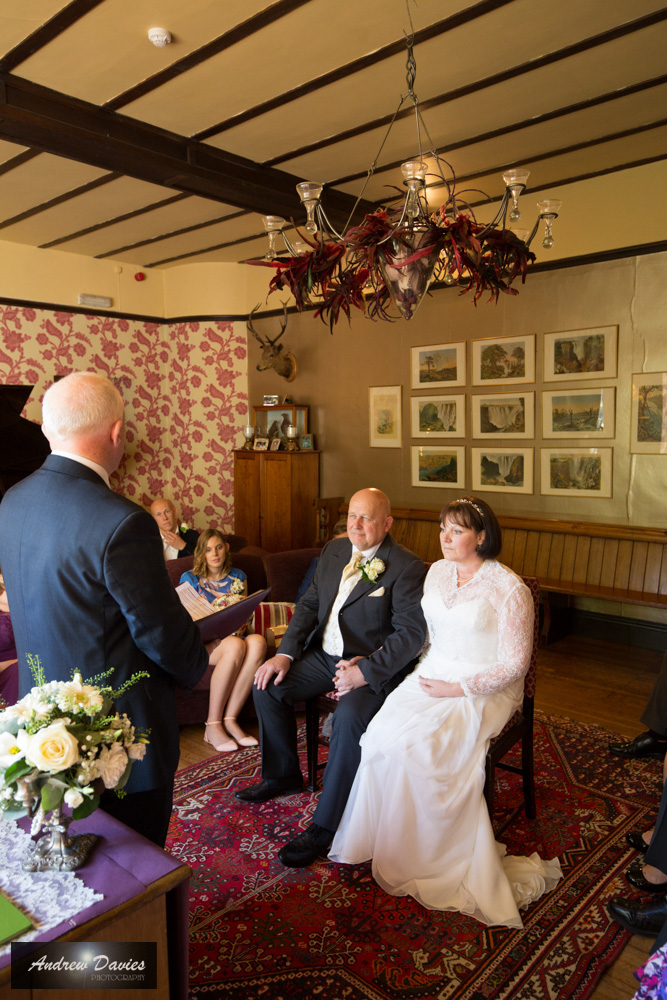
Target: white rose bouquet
<point>67,741</point>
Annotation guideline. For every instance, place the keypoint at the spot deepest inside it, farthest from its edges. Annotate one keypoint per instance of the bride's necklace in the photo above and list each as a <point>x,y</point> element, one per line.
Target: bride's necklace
<point>461,579</point>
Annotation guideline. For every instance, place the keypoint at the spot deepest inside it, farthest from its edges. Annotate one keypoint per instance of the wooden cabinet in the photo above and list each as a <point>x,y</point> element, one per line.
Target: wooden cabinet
<point>274,497</point>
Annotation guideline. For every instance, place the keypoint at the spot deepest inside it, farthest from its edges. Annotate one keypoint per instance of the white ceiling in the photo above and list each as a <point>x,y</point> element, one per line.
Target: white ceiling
<point>112,147</point>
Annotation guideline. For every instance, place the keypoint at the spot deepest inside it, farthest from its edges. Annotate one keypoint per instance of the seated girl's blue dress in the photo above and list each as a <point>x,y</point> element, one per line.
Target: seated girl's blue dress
<point>210,589</point>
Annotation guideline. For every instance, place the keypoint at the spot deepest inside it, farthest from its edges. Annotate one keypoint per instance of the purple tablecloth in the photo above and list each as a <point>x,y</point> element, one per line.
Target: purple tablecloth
<point>121,866</point>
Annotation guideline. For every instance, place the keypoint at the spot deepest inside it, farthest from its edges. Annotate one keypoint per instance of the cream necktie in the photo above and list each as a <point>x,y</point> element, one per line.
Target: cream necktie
<point>332,640</point>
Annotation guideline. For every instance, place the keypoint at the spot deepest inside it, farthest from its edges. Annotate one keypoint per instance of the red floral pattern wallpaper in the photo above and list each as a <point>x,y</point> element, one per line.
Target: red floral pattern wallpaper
<point>185,388</point>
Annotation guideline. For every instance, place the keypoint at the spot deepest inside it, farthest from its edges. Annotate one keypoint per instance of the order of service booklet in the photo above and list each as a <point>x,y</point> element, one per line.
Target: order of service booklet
<point>217,624</point>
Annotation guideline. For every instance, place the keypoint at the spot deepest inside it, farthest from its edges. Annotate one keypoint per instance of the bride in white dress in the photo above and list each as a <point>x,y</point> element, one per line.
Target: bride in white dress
<point>417,806</point>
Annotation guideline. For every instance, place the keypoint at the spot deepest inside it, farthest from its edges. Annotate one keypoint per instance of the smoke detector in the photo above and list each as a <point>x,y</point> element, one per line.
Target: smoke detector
<point>159,37</point>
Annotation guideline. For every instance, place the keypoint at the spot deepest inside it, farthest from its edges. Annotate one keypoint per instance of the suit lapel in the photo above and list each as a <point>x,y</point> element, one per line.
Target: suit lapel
<point>364,587</point>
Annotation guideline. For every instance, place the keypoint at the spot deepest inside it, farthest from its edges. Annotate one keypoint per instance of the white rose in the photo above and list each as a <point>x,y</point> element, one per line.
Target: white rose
<point>10,751</point>
<point>112,762</point>
<point>51,749</point>
<point>136,751</point>
<point>73,798</point>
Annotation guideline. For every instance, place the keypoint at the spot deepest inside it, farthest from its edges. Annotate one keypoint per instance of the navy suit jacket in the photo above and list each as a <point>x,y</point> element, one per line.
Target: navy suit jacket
<point>88,591</point>
<point>388,629</point>
<point>190,537</point>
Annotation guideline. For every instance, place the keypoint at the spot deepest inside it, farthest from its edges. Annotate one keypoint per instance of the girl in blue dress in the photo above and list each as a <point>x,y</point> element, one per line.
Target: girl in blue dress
<point>235,659</point>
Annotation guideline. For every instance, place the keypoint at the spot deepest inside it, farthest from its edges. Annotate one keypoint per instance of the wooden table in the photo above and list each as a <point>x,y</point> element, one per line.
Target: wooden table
<point>146,898</point>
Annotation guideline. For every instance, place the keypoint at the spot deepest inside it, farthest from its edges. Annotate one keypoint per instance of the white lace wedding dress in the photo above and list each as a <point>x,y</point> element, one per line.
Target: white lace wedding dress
<point>417,807</point>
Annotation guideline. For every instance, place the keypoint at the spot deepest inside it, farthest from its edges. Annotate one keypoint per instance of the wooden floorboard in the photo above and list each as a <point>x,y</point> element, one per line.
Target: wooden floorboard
<point>584,679</point>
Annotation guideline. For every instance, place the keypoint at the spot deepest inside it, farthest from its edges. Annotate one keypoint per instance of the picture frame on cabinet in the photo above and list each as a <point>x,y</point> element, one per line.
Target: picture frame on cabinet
<point>574,355</point>
<point>506,414</point>
<point>439,366</point>
<point>648,425</point>
<point>576,472</point>
<point>438,466</point>
<point>438,416</point>
<point>275,444</point>
<point>579,413</point>
<point>384,413</point>
<point>261,444</point>
<point>306,442</point>
<point>503,360</point>
<point>503,470</point>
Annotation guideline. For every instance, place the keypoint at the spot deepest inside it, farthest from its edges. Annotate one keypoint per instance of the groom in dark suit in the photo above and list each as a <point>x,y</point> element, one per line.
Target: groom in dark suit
<point>88,589</point>
<point>356,631</point>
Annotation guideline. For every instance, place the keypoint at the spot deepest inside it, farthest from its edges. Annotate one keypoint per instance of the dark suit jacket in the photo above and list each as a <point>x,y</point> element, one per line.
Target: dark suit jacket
<point>88,591</point>
<point>190,537</point>
<point>387,630</point>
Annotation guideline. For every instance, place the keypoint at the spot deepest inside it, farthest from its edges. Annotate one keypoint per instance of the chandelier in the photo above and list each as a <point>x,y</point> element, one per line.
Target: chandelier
<point>394,255</point>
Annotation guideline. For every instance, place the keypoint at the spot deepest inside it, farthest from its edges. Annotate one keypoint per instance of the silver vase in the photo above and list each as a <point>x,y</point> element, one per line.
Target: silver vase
<point>56,850</point>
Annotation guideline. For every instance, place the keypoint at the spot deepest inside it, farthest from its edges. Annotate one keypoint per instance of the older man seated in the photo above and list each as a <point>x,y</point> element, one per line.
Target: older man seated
<point>177,540</point>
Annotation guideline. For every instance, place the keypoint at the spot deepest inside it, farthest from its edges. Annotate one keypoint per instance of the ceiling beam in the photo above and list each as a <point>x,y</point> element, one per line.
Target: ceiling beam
<point>36,116</point>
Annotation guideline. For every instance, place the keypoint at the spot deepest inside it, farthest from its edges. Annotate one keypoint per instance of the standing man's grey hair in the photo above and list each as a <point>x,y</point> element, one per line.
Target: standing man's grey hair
<point>83,403</point>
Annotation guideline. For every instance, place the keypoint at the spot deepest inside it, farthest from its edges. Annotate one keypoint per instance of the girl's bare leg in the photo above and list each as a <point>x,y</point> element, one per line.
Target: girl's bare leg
<point>227,658</point>
<point>255,652</point>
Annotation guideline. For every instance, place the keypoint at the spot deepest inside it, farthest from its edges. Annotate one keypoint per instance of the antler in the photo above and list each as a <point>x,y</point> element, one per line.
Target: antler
<point>251,327</point>
<point>268,339</point>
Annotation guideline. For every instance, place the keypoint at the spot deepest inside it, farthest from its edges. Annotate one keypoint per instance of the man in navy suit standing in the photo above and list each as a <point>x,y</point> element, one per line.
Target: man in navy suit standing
<point>88,590</point>
<point>357,630</point>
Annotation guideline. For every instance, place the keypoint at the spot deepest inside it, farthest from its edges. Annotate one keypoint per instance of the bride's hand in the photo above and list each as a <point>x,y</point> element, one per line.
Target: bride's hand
<point>440,689</point>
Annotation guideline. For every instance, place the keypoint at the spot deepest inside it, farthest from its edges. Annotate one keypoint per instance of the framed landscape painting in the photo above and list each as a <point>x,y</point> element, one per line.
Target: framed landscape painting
<point>648,428</point>
<point>507,414</point>
<point>438,416</point>
<point>579,413</point>
<point>444,466</point>
<point>505,361</point>
<point>576,472</point>
<point>384,403</point>
<point>581,354</point>
<point>439,366</point>
<point>502,470</point>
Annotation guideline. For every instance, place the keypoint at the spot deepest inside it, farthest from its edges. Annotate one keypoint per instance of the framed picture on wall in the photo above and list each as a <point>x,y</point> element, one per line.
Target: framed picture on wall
<point>579,413</point>
<point>385,416</point>
<point>439,366</point>
<point>506,414</point>
<point>581,354</point>
<point>576,472</point>
<point>509,360</point>
<point>502,470</point>
<point>648,427</point>
<point>438,416</point>
<point>438,466</point>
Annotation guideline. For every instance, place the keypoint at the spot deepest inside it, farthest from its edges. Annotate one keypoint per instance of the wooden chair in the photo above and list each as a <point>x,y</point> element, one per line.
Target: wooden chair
<point>519,727</point>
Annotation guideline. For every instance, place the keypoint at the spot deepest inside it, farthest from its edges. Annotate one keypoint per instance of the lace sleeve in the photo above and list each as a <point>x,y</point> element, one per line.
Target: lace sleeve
<point>515,642</point>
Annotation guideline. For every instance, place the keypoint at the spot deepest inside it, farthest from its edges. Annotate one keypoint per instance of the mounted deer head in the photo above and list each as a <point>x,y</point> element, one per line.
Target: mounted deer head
<point>272,352</point>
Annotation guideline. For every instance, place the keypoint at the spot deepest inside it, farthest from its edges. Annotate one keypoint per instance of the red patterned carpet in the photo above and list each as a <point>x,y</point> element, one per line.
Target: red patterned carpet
<point>263,932</point>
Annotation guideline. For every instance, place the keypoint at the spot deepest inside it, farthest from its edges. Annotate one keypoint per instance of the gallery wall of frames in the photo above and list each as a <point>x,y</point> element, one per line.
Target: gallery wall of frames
<point>485,391</point>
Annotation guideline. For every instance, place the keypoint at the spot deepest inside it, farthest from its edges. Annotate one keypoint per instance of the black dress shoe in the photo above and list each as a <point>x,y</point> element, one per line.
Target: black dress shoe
<point>270,788</point>
<point>303,849</point>
<point>646,920</point>
<point>643,745</point>
<point>634,876</point>
<point>635,839</point>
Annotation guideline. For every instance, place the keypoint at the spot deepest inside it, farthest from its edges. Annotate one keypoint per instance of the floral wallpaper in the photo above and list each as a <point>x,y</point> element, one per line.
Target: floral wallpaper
<point>185,388</point>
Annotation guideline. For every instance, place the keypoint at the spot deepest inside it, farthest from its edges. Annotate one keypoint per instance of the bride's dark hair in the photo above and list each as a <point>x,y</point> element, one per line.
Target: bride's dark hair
<point>471,512</point>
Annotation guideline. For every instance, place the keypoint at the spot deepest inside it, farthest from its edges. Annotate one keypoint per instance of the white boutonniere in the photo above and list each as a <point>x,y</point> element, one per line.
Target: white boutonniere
<point>371,570</point>
<point>183,527</point>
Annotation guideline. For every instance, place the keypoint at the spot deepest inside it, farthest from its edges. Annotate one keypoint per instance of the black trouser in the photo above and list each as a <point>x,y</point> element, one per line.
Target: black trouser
<point>306,678</point>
